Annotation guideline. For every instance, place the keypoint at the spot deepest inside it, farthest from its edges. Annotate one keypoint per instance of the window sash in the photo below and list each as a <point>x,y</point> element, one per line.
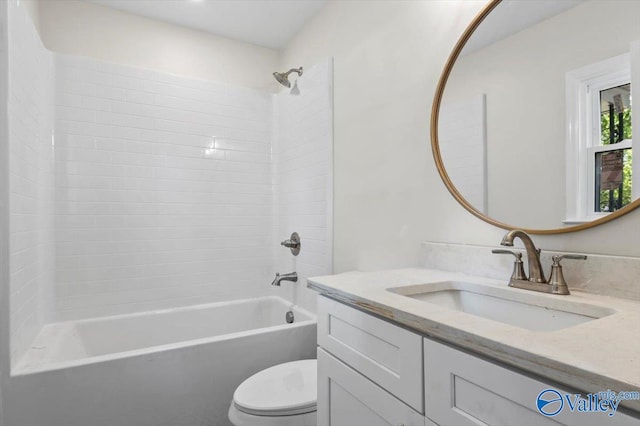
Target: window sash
<point>591,176</point>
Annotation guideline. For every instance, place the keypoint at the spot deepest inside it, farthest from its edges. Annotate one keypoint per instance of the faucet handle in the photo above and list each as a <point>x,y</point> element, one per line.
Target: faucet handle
<point>557,258</point>
<point>556,280</point>
<point>293,243</point>
<point>518,266</point>
<point>517,254</point>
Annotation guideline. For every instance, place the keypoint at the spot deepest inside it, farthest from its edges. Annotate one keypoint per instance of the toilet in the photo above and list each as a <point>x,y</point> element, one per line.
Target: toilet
<point>282,395</point>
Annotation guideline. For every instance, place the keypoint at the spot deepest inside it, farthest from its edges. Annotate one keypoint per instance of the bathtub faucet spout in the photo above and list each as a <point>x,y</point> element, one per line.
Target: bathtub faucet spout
<point>293,276</point>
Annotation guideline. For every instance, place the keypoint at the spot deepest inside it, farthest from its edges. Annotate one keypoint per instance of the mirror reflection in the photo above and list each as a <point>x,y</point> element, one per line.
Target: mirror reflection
<point>536,125</point>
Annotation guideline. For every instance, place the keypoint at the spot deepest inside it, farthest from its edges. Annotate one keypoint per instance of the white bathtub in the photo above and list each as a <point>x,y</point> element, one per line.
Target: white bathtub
<point>176,367</point>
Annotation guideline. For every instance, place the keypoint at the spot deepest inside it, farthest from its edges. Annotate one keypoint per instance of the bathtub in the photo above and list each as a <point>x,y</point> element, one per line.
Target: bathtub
<point>174,367</point>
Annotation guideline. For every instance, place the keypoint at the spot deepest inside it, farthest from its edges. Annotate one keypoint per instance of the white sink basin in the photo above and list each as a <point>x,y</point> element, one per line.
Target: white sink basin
<point>518,308</point>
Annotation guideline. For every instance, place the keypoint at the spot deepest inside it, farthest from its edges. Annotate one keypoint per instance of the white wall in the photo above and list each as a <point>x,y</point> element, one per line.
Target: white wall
<point>163,190</point>
<point>85,29</point>
<point>526,110</point>
<point>5,363</point>
<point>30,108</point>
<point>302,178</point>
<point>388,196</point>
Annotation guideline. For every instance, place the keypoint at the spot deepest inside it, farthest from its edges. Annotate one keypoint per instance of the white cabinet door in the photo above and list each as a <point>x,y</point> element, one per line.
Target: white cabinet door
<point>388,355</point>
<point>461,390</point>
<point>346,398</point>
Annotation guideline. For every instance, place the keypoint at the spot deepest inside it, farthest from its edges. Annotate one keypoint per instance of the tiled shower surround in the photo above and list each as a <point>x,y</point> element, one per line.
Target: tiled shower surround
<point>30,123</point>
<point>135,190</point>
<point>163,189</point>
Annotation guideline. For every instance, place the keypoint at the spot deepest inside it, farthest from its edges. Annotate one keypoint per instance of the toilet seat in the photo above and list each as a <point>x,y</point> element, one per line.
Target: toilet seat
<point>238,418</point>
<point>283,390</point>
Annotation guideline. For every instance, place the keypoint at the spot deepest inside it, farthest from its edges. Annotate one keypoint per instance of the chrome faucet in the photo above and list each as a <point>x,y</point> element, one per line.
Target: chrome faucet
<point>293,277</point>
<point>536,280</point>
<point>536,274</point>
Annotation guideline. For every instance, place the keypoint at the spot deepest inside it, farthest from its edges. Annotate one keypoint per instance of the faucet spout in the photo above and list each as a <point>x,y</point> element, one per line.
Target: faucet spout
<point>293,277</point>
<point>536,273</point>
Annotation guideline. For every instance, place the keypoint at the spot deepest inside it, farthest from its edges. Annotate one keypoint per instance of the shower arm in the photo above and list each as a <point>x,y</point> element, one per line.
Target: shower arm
<point>296,70</point>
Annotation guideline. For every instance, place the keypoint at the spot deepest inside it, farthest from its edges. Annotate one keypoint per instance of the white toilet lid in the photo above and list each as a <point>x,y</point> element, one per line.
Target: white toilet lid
<point>285,389</point>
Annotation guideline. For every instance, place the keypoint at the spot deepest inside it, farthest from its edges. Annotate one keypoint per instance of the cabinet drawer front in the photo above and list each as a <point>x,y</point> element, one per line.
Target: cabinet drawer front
<point>346,398</point>
<point>388,355</point>
<point>461,389</point>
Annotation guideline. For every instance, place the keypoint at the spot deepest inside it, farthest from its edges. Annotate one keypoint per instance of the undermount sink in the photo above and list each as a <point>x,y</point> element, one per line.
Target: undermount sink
<point>516,308</point>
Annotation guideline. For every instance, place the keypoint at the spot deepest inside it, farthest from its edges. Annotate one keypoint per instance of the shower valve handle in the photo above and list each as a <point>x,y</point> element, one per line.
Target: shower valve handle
<point>290,244</point>
<point>293,243</point>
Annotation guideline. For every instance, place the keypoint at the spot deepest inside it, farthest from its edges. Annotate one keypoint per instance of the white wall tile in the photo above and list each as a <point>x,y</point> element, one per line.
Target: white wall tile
<point>30,110</point>
<point>160,199</point>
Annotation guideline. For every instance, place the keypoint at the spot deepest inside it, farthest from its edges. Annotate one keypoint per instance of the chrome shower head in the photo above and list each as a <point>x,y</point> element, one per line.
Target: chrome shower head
<point>283,77</point>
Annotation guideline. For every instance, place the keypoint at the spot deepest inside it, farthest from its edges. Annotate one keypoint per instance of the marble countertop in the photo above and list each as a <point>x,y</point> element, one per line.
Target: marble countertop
<point>591,357</point>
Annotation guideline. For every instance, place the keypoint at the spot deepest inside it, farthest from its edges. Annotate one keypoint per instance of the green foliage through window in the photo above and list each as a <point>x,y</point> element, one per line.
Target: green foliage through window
<point>603,201</point>
<point>605,132</point>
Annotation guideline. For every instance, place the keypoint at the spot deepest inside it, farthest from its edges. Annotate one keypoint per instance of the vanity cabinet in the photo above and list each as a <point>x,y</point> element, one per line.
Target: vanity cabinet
<point>369,371</point>
<point>464,390</point>
<point>387,354</point>
<point>372,372</point>
<point>347,398</point>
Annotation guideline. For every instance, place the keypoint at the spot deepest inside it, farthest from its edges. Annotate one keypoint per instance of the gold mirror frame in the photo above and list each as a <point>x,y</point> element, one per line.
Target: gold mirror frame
<point>435,112</point>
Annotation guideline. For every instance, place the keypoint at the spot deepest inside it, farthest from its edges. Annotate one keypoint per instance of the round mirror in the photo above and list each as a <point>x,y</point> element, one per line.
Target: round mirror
<point>533,125</point>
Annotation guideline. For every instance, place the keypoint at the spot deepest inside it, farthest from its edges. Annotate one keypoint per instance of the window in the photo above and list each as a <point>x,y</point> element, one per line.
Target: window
<point>613,155</point>
<point>600,169</point>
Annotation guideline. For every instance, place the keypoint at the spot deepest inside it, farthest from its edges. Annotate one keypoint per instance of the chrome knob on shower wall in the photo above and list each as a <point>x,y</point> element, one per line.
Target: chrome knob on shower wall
<point>293,243</point>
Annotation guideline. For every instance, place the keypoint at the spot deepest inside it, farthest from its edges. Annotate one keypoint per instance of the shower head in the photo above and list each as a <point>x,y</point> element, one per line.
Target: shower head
<point>283,77</point>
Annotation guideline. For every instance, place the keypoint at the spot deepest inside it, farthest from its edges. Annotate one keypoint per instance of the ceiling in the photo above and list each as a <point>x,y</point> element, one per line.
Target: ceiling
<point>268,23</point>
